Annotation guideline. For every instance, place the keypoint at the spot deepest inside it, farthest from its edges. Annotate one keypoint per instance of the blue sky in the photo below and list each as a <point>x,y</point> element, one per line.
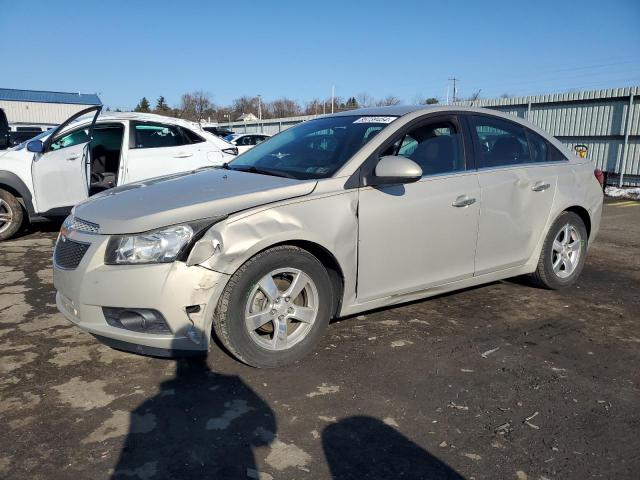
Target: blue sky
<point>126,49</point>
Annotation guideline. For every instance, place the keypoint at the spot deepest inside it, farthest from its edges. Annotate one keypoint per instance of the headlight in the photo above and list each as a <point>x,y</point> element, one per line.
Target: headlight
<point>158,246</point>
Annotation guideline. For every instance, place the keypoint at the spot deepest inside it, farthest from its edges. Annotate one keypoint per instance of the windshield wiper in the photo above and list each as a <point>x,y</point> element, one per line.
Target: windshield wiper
<point>260,171</point>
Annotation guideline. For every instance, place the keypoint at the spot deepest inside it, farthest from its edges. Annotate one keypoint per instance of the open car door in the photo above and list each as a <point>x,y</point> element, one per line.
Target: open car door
<point>61,164</point>
<point>4,131</point>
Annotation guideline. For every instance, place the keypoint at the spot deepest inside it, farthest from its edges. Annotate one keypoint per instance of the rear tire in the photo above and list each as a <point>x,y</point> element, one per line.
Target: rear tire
<point>11,215</point>
<point>275,307</point>
<point>563,253</point>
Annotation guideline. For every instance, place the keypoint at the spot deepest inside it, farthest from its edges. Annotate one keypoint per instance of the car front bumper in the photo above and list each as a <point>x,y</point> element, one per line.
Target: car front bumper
<point>185,296</point>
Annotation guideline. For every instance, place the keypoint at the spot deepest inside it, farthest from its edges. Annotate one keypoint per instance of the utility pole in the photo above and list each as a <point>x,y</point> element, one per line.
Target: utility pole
<point>455,89</point>
<point>260,112</point>
<point>333,95</point>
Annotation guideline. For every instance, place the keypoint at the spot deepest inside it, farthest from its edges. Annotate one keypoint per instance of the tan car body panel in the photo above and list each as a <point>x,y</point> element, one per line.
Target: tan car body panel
<point>326,213</point>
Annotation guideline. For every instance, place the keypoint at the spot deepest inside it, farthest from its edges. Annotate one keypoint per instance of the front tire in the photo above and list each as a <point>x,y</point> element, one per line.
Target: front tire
<point>11,215</point>
<point>563,253</point>
<point>275,307</point>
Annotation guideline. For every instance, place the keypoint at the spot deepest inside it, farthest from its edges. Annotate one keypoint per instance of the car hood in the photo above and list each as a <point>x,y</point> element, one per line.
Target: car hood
<point>14,153</point>
<point>155,203</point>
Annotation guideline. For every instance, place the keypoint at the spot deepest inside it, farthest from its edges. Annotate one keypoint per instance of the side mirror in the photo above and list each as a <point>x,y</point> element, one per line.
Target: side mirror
<point>396,169</point>
<point>35,146</point>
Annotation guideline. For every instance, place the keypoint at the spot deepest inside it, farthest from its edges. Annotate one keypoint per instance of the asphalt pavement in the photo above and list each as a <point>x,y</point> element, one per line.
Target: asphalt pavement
<point>503,381</point>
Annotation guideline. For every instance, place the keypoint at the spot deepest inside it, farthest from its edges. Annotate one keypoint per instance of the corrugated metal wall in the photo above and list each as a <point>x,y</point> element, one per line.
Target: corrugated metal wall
<point>39,113</point>
<point>599,119</point>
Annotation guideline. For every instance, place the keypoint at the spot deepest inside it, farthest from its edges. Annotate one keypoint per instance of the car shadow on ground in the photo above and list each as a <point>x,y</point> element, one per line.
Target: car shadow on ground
<point>203,424</point>
<point>52,226</point>
<point>364,447</point>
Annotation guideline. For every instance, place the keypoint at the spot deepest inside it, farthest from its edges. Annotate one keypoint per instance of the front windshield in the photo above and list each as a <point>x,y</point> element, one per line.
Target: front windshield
<point>314,149</point>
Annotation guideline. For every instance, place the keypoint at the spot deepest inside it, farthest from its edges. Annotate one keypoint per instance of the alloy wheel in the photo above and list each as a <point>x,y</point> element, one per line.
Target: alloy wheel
<point>281,309</point>
<point>6,215</point>
<point>566,251</point>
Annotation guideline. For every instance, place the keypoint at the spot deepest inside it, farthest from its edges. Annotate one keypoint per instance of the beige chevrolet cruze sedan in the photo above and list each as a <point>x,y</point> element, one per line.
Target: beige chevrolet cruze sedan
<point>335,216</point>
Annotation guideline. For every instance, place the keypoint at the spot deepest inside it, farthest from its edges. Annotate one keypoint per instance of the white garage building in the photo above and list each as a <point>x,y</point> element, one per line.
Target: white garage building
<point>41,108</point>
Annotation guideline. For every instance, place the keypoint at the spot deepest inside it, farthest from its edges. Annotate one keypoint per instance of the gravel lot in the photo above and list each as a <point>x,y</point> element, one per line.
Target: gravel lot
<point>501,381</point>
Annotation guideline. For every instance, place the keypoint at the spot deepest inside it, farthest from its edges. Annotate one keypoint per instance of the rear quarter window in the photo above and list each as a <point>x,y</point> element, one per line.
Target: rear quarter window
<point>542,151</point>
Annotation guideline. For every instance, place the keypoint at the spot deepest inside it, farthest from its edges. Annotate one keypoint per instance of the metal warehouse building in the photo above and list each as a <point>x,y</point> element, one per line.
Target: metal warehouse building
<point>33,107</point>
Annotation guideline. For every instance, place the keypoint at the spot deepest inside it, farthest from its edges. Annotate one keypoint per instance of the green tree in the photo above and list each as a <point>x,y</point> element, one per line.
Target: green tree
<point>431,101</point>
<point>161,105</point>
<point>351,103</point>
<point>143,106</point>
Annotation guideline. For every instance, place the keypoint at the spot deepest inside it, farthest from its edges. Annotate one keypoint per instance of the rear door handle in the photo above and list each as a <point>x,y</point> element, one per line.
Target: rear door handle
<point>540,187</point>
<point>463,201</point>
<point>183,155</point>
<point>73,157</point>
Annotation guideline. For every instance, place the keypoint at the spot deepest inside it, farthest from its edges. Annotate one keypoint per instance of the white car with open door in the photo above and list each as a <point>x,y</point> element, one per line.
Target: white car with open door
<point>91,152</point>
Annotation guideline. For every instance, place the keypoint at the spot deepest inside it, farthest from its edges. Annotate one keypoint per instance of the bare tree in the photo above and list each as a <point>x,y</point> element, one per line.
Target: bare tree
<point>284,107</point>
<point>244,104</point>
<point>313,107</point>
<point>475,96</point>
<point>389,100</point>
<point>196,106</point>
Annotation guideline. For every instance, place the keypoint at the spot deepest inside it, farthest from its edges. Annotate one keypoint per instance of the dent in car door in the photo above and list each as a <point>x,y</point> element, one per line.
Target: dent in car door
<point>516,203</point>
<point>517,194</point>
<point>418,235</point>
<point>60,173</point>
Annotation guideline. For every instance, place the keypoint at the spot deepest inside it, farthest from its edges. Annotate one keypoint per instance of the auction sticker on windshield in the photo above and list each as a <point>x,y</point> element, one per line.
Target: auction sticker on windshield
<point>375,120</point>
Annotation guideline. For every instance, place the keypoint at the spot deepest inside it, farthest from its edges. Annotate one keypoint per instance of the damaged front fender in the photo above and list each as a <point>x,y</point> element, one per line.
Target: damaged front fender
<point>328,221</point>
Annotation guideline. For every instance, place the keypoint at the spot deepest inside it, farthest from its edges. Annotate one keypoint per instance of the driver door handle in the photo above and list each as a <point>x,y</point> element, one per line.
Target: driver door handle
<point>463,201</point>
<point>540,187</point>
<point>73,157</point>
<point>183,155</point>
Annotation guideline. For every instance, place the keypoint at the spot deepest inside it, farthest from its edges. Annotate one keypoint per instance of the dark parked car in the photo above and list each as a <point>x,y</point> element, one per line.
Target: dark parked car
<point>220,132</point>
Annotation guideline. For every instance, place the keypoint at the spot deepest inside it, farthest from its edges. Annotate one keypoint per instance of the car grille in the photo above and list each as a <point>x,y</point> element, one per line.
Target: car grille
<point>83,226</point>
<point>68,254</point>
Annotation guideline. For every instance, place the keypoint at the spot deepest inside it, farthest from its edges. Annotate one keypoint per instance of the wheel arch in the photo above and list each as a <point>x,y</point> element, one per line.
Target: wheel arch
<point>328,260</point>
<point>10,182</point>
<point>583,213</point>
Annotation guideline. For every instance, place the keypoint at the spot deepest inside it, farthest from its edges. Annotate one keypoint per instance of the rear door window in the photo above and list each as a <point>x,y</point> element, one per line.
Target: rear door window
<point>501,142</point>
<point>153,135</point>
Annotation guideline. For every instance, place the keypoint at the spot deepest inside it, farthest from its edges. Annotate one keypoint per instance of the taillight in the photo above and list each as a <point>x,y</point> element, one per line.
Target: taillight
<point>232,151</point>
<point>599,176</point>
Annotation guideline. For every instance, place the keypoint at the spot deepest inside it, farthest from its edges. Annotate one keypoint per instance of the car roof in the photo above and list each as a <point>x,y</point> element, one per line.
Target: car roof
<point>106,117</point>
<point>394,110</point>
<point>143,117</point>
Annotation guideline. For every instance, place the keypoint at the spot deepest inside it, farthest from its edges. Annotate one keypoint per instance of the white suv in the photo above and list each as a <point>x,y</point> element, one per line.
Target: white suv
<point>91,152</point>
